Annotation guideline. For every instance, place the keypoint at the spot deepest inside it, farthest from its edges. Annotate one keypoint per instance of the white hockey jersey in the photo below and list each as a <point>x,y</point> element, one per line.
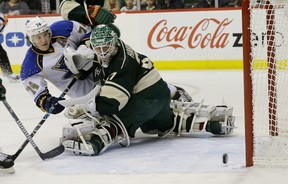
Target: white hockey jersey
<point>39,67</point>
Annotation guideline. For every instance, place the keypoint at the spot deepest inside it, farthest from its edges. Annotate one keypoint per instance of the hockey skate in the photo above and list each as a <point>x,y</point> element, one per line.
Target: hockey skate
<point>13,78</point>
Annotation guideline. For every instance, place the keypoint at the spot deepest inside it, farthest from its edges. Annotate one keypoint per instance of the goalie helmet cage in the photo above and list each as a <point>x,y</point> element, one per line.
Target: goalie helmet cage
<point>265,55</point>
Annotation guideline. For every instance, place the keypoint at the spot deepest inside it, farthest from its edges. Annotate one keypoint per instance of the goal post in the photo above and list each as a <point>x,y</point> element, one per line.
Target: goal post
<point>265,56</point>
<point>247,83</point>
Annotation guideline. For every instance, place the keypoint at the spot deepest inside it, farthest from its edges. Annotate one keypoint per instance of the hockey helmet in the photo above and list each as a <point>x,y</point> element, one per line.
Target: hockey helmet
<point>36,26</point>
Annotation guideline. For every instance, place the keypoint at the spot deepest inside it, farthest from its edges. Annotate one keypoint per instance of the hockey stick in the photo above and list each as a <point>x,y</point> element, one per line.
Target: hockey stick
<point>86,11</point>
<point>83,99</point>
<point>50,154</point>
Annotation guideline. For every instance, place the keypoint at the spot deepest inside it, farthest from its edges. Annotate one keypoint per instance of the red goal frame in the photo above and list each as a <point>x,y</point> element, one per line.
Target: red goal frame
<point>248,105</point>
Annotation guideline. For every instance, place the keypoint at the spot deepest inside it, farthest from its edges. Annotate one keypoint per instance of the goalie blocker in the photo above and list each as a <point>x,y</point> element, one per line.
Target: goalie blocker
<point>89,135</point>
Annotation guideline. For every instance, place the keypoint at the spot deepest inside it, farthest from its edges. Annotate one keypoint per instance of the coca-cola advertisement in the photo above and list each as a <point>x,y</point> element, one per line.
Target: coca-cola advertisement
<point>185,36</point>
<point>210,38</point>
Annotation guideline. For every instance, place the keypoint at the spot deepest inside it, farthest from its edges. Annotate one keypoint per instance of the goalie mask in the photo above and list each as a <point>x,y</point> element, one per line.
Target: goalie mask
<point>39,33</point>
<point>104,39</point>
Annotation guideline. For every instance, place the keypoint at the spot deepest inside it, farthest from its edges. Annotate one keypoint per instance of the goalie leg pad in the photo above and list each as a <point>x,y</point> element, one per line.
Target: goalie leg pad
<point>85,126</point>
<point>196,117</point>
<point>95,143</point>
<point>90,138</point>
<point>79,148</point>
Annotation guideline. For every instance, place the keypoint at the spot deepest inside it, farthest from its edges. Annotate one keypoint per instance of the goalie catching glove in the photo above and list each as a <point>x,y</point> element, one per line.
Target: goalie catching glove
<point>78,61</point>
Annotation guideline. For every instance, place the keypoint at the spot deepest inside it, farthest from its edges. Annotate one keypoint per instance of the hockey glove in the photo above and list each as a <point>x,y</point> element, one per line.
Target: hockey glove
<point>2,91</point>
<point>79,62</point>
<point>99,15</point>
<point>53,102</point>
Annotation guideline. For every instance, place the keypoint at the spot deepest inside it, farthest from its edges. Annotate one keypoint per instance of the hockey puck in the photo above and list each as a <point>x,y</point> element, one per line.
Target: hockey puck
<point>225,158</point>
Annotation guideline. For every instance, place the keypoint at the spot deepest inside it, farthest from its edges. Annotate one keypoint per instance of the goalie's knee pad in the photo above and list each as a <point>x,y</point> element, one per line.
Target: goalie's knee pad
<point>196,117</point>
<point>78,147</point>
<point>84,126</point>
<point>95,142</point>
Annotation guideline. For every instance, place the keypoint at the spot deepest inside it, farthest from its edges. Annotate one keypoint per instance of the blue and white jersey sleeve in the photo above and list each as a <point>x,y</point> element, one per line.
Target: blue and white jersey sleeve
<point>32,76</point>
<point>73,31</point>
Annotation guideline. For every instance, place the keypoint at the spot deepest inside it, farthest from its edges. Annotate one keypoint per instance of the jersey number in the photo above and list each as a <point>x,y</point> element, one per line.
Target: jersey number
<point>32,88</point>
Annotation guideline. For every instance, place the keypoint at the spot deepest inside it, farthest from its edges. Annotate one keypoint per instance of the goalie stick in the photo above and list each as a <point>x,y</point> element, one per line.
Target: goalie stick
<point>8,160</point>
<point>86,11</point>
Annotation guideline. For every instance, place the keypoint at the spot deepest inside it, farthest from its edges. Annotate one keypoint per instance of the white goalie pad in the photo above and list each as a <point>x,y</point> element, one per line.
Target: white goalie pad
<point>75,134</point>
<point>196,117</point>
<point>84,126</point>
<point>79,148</point>
<point>78,135</point>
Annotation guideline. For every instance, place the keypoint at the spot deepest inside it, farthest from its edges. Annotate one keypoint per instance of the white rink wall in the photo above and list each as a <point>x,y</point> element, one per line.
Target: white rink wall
<point>179,36</point>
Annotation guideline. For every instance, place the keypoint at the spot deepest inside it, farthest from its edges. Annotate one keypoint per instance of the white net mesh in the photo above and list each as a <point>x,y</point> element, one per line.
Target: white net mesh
<point>269,72</point>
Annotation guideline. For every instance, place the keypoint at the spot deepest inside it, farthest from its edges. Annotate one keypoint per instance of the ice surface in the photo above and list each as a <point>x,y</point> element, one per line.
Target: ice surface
<point>191,159</point>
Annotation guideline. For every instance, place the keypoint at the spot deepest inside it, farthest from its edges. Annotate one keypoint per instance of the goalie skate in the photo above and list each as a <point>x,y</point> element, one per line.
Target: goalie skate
<point>13,78</point>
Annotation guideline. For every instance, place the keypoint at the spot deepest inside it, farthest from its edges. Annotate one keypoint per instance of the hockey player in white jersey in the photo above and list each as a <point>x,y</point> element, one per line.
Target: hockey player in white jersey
<point>44,61</point>
<point>131,94</point>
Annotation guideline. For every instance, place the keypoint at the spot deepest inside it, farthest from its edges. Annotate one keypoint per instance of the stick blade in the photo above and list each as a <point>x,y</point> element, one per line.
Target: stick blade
<point>53,153</point>
<point>6,166</point>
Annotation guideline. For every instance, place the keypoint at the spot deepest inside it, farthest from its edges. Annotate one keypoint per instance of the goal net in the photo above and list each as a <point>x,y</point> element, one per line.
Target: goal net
<point>265,49</point>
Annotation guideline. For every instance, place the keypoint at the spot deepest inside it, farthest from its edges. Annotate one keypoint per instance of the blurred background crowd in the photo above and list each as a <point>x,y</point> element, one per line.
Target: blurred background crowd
<point>22,7</point>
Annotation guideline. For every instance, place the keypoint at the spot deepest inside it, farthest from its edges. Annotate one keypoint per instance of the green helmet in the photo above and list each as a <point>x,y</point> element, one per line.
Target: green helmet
<point>103,40</point>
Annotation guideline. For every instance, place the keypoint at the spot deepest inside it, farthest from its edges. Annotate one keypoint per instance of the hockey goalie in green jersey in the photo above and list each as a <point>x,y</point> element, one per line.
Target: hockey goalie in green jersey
<point>130,94</point>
